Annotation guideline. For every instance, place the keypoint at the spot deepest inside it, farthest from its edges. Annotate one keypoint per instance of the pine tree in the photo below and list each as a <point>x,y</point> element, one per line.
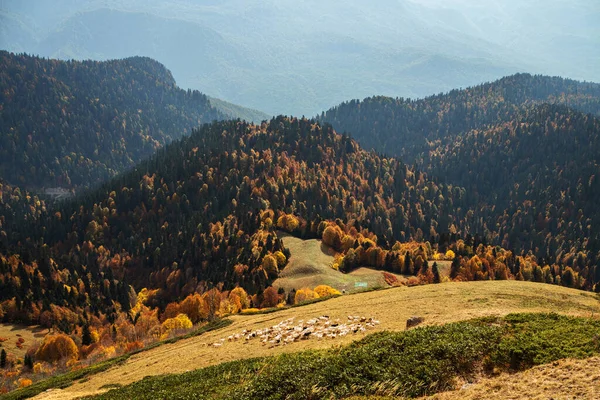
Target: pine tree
<point>28,362</point>
<point>86,337</point>
<point>3,359</point>
<point>408,265</point>
<point>436,273</point>
<point>454,268</point>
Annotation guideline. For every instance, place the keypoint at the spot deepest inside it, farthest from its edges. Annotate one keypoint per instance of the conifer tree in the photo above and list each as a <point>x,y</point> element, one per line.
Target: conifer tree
<point>86,337</point>
<point>436,273</point>
<point>28,362</point>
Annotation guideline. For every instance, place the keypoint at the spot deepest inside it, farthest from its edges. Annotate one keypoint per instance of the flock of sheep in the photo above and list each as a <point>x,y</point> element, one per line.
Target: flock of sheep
<point>287,332</point>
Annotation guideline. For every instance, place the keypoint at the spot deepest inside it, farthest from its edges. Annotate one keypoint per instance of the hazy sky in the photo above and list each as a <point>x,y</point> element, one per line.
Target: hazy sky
<point>299,57</point>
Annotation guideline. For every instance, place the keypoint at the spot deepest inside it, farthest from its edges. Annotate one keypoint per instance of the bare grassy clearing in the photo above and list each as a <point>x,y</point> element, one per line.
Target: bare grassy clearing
<point>12,332</point>
<point>310,266</point>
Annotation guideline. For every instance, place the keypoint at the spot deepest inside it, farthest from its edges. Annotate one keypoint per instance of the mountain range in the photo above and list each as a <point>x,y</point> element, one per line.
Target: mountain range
<point>504,172</point>
<point>285,57</point>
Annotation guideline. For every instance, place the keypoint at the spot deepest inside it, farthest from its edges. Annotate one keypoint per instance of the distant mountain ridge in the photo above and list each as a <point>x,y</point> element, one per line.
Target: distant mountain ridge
<point>402,127</point>
<point>298,58</point>
<point>72,123</point>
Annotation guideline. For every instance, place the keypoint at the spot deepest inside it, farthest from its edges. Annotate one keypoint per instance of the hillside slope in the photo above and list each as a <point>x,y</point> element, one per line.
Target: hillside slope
<point>563,379</point>
<point>204,212</point>
<point>521,151</point>
<point>392,307</point>
<point>72,124</point>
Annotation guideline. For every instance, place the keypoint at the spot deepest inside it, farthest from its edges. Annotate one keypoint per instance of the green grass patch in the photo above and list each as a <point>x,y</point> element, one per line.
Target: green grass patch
<point>412,363</point>
<point>65,380</point>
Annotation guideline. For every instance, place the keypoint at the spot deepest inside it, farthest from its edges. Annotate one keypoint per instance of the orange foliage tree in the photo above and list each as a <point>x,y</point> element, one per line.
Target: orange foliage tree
<point>56,348</point>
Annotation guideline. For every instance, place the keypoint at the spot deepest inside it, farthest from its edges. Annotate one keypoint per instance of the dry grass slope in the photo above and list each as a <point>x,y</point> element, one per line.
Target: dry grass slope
<point>561,380</point>
<point>438,304</point>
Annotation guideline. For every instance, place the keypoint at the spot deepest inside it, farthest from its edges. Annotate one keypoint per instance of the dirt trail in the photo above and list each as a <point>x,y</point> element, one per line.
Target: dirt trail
<point>438,304</point>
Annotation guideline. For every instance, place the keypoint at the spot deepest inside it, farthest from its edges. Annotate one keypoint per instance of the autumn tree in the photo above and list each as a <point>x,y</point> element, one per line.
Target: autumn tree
<point>305,294</point>
<point>332,236</point>
<point>269,264</point>
<point>212,300</point>
<point>270,297</point>
<point>324,291</point>
<point>56,348</point>
<point>180,322</point>
<point>171,311</point>
<point>193,306</point>
<point>239,299</point>
<point>147,321</point>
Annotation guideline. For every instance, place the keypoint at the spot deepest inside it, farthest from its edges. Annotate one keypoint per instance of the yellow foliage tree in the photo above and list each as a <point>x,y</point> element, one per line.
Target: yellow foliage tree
<point>56,348</point>
<point>280,257</point>
<point>450,255</point>
<point>239,299</point>
<point>325,290</point>
<point>304,295</point>
<point>180,322</point>
<point>269,263</point>
<point>193,306</point>
<point>288,222</point>
<point>226,307</point>
<point>95,336</point>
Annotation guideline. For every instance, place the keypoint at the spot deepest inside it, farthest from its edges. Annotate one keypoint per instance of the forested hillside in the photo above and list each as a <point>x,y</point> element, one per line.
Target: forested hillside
<point>194,231</point>
<point>533,183</point>
<point>71,124</point>
<point>405,127</point>
<point>204,212</point>
<point>523,151</point>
